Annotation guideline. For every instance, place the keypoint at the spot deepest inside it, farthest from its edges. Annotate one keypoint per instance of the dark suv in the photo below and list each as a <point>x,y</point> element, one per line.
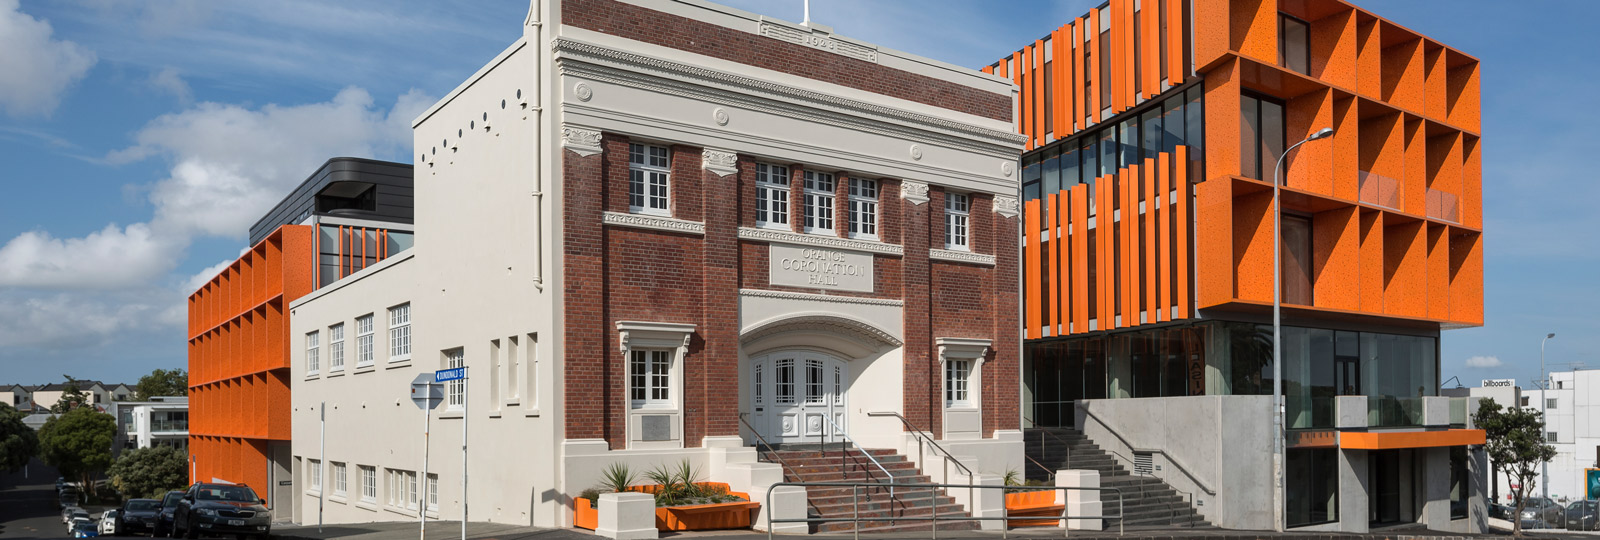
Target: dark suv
<point>169,504</point>
<point>221,509</point>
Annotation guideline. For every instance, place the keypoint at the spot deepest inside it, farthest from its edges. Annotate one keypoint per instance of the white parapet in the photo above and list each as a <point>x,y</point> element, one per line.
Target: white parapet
<point>627,516</point>
<point>1081,502</point>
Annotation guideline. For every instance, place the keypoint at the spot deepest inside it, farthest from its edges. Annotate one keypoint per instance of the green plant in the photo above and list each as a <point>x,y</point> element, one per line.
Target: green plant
<point>1012,478</point>
<point>149,472</point>
<point>616,478</point>
<point>593,494</point>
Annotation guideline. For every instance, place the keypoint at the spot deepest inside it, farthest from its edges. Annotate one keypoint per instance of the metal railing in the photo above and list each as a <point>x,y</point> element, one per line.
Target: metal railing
<point>1065,446</point>
<point>836,429</point>
<point>923,436</point>
<point>1174,461</point>
<point>933,502</point>
<point>774,451</point>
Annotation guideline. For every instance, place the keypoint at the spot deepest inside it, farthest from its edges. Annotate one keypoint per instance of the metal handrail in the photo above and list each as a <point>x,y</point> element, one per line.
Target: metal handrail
<point>925,436</point>
<point>864,452</point>
<point>781,462</point>
<point>933,490</point>
<point>1064,444</point>
<point>1046,468</point>
<point>1170,458</point>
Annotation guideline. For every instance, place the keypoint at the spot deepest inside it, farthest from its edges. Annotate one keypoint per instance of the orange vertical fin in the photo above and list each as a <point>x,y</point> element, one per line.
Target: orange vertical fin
<point>1092,70</point>
<point>1180,180</point>
<point>1163,232</point>
<point>1054,278</point>
<point>1150,50</point>
<point>1150,267</point>
<point>1079,115</point>
<point>1176,69</point>
<point>1080,257</point>
<point>1030,263</point>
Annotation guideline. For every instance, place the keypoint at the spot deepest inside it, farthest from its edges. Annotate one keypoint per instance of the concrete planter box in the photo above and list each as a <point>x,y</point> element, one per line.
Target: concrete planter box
<point>698,517</point>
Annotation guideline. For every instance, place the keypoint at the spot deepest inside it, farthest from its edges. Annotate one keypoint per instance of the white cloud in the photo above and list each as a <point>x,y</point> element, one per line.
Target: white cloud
<point>35,69</point>
<point>168,80</point>
<point>108,258</point>
<point>1484,362</point>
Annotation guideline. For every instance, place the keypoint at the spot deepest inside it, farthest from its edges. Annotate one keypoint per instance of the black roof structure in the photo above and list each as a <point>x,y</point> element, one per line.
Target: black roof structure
<point>345,187</point>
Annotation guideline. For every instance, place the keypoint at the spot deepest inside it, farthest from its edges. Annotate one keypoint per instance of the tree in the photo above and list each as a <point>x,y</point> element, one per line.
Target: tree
<point>71,398</point>
<point>162,382</point>
<point>1515,441</point>
<point>78,443</point>
<point>149,472</point>
<point>18,442</point>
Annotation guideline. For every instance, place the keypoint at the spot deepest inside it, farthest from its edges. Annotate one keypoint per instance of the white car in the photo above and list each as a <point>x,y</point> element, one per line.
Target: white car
<point>71,512</point>
<point>108,523</point>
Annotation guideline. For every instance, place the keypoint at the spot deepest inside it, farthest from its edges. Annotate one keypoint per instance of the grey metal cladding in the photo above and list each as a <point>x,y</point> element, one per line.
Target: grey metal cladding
<point>392,181</point>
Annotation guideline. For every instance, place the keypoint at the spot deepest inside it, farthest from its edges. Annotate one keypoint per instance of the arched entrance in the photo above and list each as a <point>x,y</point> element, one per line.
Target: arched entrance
<point>794,394</point>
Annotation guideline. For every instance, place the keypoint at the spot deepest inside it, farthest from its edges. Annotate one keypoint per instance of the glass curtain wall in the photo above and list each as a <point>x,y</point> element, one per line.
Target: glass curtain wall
<point>1090,154</point>
<point>1311,486</point>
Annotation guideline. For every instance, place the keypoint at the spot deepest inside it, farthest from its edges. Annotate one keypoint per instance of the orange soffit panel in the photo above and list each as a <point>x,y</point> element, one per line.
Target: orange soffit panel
<point>1391,440</point>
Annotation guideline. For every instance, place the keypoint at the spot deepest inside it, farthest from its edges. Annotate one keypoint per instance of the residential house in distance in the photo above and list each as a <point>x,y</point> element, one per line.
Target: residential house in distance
<point>17,396</point>
<point>46,396</point>
<point>161,421</point>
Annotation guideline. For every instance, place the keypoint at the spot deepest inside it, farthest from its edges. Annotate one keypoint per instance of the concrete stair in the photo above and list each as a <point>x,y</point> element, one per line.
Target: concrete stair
<point>871,503</point>
<point>1148,501</point>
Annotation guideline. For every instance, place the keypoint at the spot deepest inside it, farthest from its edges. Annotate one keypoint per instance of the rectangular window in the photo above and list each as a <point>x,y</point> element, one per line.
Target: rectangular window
<point>412,495</point>
<point>391,480</point>
<point>783,381</point>
<point>369,483</point>
<point>1261,136</point>
<point>956,374</point>
<point>648,174</point>
<point>400,332</point>
<point>511,367</point>
<point>1550,436</point>
<point>819,192</point>
<point>772,196</point>
<point>364,340</point>
<point>456,390</point>
<point>1312,495</point>
<point>863,208</point>
<point>339,485</point>
<point>1296,254</point>
<point>336,347</point>
<point>433,492</point>
<point>312,362</point>
<point>1460,483</point>
<point>1294,44</point>
<point>315,472</point>
<point>650,378</point>
<point>955,221</point>
<point>1550,403</point>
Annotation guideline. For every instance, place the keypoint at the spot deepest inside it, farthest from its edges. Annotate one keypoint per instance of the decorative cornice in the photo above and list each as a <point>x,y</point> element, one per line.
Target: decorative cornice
<point>967,257</point>
<point>660,223</point>
<point>1006,206</point>
<point>583,141</point>
<point>722,162</point>
<point>914,191</point>
<point>644,67</point>
<point>786,295</point>
<point>834,242</point>
<point>862,331</point>
<point>962,347</point>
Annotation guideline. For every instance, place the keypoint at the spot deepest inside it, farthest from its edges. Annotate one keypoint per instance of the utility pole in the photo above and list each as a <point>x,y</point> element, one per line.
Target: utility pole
<point>1544,409</point>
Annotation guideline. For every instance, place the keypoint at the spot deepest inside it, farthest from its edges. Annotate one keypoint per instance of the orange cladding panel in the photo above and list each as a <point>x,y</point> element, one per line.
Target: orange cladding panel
<point>1372,266</point>
<point>1061,245</point>
<point>1023,79</point>
<point>1129,56</point>
<point>1054,255</point>
<point>1080,257</point>
<point>1438,272</point>
<point>1164,234</point>
<point>1336,258</point>
<point>1061,104</point>
<point>1030,258</point>
<point>1104,227</point>
<point>1252,246</point>
<point>1039,96</point>
<point>1346,149</point>
<point>1466,276</point>
<point>1119,61</point>
<point>1333,48</point>
<point>1130,275</point>
<point>1176,70</point>
<point>1150,51</point>
<point>1150,268</point>
<point>1389,440</point>
<point>1222,120</point>
<point>1079,115</point>
<point>1092,33</point>
<point>1471,183</point>
<point>1181,180</point>
<point>1405,269</point>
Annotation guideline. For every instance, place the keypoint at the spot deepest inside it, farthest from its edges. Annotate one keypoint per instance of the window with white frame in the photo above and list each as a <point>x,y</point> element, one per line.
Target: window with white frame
<point>395,483</point>
<point>400,332</point>
<point>863,208</point>
<point>412,495</point>
<point>313,363</point>
<point>336,347</point>
<point>772,196</point>
<point>650,378</point>
<point>364,340</point>
<point>956,212</point>
<point>648,175</point>
<point>369,483</point>
<point>819,191</point>
<point>433,492</point>
<point>339,485</point>
<point>957,373</point>
<point>315,472</point>
<point>455,390</point>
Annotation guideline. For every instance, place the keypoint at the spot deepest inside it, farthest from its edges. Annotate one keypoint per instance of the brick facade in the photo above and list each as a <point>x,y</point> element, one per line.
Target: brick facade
<point>634,22</point>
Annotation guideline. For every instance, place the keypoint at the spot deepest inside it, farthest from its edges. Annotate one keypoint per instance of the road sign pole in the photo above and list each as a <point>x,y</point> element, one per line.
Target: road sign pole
<point>465,399</point>
<point>322,460</point>
<point>422,514</point>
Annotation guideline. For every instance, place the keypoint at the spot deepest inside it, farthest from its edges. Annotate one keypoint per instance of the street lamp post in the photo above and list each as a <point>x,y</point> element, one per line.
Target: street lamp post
<point>1544,410</point>
<point>1277,334</point>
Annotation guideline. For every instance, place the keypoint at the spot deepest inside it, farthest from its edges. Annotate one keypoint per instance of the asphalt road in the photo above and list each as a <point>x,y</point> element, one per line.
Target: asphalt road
<point>27,504</point>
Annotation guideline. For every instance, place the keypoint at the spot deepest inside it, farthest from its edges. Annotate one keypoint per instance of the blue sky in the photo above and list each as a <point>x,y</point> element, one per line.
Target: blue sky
<point>141,139</point>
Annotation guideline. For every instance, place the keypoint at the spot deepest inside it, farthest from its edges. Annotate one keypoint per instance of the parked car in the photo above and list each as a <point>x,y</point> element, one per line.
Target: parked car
<point>1542,513</point>
<point>69,512</point>
<point>137,516</point>
<point>108,523</point>
<point>221,509</point>
<point>1500,511</point>
<point>83,528</point>
<point>67,497</point>
<point>163,524</point>
<point>1583,516</point>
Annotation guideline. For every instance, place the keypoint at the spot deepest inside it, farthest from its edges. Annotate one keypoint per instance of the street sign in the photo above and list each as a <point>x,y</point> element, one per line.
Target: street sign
<point>452,374</point>
<point>426,393</point>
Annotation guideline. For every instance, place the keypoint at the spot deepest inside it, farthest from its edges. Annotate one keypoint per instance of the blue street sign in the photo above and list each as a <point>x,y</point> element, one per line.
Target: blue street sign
<point>452,374</point>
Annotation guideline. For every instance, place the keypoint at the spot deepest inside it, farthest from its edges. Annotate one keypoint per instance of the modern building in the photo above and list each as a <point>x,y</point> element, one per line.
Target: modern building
<point>348,215</point>
<point>668,230</point>
<point>161,421</point>
<point>1572,424</point>
<point>1154,130</point>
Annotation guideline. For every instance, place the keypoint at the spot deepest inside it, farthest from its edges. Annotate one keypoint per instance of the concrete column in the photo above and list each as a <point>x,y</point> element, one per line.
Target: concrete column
<point>786,502</point>
<point>1081,502</point>
<point>627,516</point>
<point>1436,411</point>
<point>1436,486</point>
<point>1355,488</point>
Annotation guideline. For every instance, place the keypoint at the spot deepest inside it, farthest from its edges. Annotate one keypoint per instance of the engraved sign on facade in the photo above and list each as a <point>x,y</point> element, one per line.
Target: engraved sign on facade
<point>819,40</point>
<point>820,268</point>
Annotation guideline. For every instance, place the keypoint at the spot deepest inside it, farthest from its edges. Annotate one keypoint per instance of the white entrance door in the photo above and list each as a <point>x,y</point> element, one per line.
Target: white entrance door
<point>794,393</point>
